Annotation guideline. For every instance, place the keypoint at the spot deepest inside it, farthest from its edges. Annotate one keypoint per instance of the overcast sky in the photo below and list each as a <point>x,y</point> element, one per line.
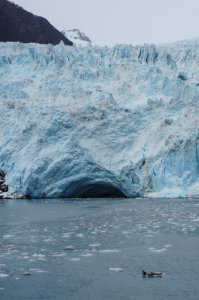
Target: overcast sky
<point>107,22</point>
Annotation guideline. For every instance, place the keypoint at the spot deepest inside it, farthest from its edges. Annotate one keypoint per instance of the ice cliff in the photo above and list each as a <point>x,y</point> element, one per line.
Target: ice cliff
<point>91,121</point>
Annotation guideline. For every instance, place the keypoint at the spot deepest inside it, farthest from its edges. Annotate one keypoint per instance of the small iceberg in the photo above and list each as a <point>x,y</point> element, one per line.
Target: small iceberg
<point>116,269</point>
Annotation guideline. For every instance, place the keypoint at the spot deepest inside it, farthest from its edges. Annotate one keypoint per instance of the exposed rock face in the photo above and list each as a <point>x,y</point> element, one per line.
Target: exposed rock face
<point>3,186</point>
<point>18,25</point>
<point>78,122</point>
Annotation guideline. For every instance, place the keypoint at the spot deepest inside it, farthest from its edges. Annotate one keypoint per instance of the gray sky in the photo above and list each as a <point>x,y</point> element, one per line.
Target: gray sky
<point>107,22</point>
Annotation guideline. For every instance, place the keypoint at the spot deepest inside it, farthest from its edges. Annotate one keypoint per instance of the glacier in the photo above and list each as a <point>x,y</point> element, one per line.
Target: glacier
<point>98,121</point>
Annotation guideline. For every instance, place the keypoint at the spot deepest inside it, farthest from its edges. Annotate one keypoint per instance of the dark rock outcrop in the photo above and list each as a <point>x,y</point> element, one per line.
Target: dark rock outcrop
<point>19,25</point>
<point>3,185</point>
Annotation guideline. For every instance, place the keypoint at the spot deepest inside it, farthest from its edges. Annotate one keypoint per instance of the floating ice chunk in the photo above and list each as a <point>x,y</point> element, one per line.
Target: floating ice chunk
<point>109,251</point>
<point>41,271</point>
<point>115,269</point>
<point>3,275</point>
<point>66,235</point>
<point>80,235</point>
<point>94,245</point>
<point>37,270</point>
<point>8,236</point>
<point>157,250</point>
<point>58,254</point>
<point>75,259</point>
<point>49,240</point>
<point>39,256</point>
<point>87,254</point>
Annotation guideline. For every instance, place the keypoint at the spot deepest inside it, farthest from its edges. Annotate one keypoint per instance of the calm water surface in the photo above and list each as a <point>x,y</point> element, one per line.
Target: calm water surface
<point>113,241</point>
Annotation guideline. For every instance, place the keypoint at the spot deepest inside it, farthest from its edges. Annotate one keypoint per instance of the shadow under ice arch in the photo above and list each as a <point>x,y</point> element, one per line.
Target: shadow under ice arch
<point>87,188</point>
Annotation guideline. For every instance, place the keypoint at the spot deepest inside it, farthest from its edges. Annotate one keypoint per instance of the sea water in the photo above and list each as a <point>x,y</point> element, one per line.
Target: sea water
<point>96,249</point>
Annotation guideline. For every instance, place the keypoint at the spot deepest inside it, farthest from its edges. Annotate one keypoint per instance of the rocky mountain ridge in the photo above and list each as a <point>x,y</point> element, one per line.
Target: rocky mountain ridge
<point>19,25</point>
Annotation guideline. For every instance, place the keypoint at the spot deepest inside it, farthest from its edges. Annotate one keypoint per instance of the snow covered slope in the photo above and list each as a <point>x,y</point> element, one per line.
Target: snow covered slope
<point>77,37</point>
<point>100,121</point>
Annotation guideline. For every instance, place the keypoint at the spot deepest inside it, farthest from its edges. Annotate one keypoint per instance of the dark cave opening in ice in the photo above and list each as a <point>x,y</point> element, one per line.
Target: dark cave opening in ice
<point>92,190</point>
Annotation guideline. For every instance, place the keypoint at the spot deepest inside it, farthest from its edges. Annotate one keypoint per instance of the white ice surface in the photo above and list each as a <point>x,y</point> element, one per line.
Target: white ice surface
<point>74,117</point>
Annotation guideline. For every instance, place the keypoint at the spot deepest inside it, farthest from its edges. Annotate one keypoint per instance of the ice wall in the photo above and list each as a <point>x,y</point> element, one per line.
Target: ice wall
<point>78,122</point>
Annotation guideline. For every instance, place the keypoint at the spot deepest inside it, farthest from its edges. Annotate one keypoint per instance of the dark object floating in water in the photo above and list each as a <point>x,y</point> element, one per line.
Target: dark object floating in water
<point>69,248</point>
<point>151,274</point>
<point>27,274</point>
<point>144,273</point>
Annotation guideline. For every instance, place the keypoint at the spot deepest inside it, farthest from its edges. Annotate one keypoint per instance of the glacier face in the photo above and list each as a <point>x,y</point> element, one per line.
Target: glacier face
<point>91,121</point>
